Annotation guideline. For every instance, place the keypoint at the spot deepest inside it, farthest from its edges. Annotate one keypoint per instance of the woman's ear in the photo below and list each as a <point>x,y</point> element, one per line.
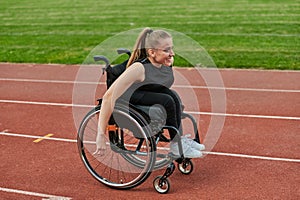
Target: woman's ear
<point>151,53</point>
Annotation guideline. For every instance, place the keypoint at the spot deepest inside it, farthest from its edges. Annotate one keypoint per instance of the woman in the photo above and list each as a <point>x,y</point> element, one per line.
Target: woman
<point>146,81</point>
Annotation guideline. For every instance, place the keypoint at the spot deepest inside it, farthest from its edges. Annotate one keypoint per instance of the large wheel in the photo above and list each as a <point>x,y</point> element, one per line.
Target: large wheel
<point>129,140</point>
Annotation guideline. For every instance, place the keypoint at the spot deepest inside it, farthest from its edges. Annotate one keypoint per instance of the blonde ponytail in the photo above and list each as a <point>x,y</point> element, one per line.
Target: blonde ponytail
<point>139,50</point>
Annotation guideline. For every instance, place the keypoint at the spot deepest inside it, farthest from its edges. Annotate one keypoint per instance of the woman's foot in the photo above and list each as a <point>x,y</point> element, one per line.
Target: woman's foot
<point>188,150</point>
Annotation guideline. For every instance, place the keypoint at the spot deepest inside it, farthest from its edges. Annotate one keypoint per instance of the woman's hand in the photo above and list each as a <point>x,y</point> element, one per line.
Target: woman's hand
<point>100,145</point>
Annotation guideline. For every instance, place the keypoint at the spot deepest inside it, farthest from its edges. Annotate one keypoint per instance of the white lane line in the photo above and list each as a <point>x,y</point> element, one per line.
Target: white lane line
<point>209,153</point>
<point>51,81</point>
<point>190,112</point>
<point>253,157</point>
<point>36,137</point>
<point>244,115</point>
<point>175,86</point>
<point>47,103</point>
<point>238,89</point>
<point>23,192</point>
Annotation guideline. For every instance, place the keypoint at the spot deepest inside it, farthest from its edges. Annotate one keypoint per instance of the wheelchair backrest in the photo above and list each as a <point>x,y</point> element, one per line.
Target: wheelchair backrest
<point>112,73</point>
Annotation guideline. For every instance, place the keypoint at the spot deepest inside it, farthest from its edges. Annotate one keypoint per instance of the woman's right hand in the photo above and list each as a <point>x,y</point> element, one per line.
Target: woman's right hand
<point>100,145</point>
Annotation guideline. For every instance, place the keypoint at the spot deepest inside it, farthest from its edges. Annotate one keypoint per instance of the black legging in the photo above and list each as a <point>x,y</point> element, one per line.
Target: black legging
<point>166,98</point>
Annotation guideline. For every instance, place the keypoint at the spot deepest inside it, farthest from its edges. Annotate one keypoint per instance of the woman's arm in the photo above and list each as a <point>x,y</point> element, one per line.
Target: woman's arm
<point>135,73</point>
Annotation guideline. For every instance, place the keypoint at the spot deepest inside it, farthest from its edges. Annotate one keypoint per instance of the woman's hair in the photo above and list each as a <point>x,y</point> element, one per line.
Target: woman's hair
<point>146,40</point>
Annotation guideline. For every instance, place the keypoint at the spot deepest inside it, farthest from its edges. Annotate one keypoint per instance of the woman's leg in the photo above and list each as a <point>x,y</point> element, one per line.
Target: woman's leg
<point>168,100</point>
<point>178,105</point>
<point>172,104</point>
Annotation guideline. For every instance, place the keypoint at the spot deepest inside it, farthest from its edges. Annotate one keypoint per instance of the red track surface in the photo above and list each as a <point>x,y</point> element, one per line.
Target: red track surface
<point>263,120</point>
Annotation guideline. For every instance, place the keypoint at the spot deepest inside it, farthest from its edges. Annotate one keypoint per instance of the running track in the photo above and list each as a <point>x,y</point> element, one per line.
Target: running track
<point>255,157</point>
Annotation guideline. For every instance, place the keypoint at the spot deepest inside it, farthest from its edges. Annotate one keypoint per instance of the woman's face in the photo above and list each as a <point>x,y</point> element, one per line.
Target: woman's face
<point>163,54</point>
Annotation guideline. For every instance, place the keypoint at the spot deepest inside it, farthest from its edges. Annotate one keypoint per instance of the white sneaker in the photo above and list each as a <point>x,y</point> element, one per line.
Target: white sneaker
<point>188,151</point>
<point>192,143</point>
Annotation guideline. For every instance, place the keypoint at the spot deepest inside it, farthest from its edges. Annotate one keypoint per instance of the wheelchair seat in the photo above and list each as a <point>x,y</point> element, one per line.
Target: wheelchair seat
<point>154,113</point>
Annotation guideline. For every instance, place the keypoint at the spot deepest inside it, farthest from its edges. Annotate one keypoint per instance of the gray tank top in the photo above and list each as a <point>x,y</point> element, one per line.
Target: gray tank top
<point>156,78</point>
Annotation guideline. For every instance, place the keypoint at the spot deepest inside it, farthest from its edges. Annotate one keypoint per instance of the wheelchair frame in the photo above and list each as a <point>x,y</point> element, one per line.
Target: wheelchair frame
<point>133,147</point>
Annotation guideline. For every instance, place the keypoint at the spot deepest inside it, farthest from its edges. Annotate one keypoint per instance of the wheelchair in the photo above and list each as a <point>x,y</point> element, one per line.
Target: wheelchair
<point>137,142</point>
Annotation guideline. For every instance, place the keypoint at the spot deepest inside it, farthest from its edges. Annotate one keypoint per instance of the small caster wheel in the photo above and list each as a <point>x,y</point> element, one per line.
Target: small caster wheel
<point>186,167</point>
<point>162,186</point>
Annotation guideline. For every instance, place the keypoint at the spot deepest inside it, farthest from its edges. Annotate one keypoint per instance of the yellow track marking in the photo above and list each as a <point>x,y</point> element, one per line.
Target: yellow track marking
<point>42,138</point>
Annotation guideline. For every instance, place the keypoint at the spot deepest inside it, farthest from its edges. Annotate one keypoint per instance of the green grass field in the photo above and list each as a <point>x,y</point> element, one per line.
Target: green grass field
<point>236,33</point>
